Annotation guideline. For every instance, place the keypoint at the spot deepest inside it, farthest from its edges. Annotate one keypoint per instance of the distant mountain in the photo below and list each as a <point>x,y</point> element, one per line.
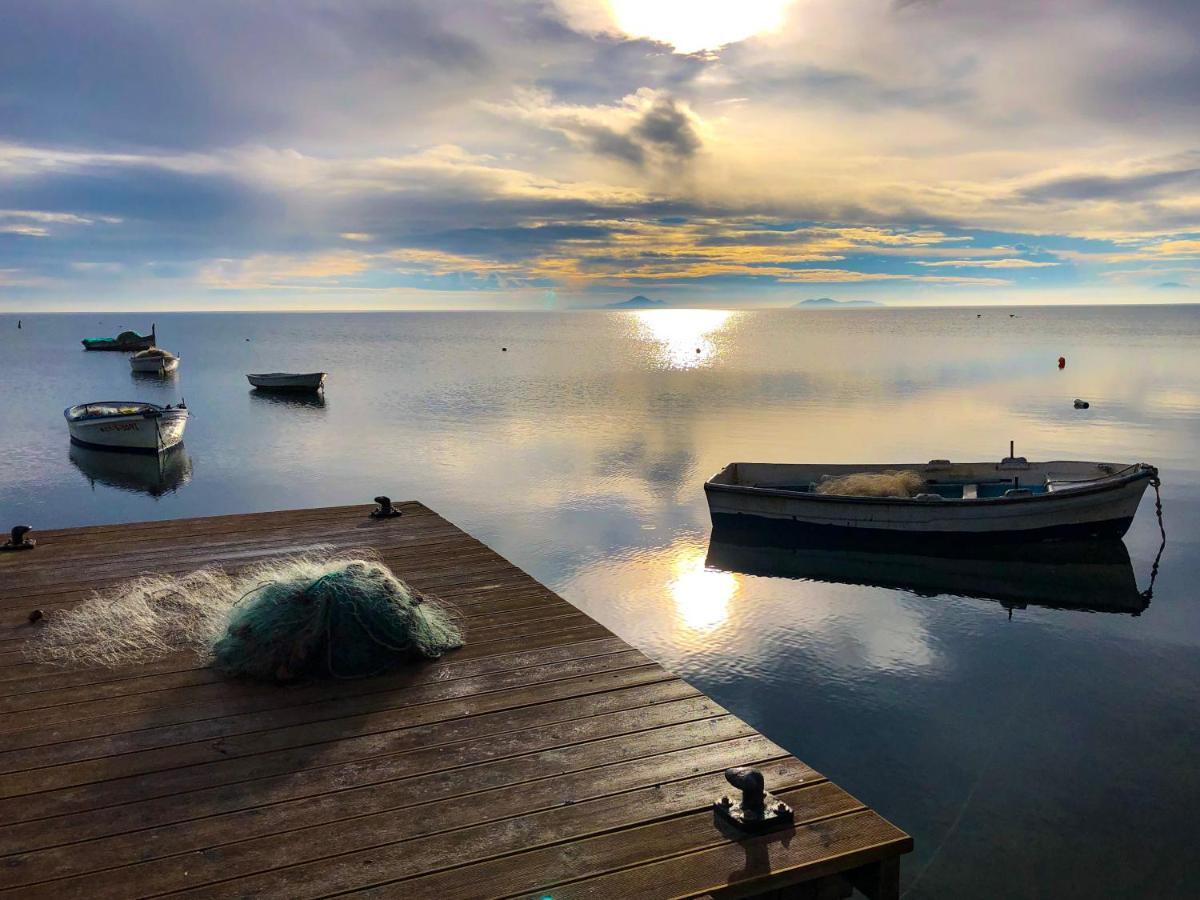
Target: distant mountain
<point>829,301</point>
<point>638,302</point>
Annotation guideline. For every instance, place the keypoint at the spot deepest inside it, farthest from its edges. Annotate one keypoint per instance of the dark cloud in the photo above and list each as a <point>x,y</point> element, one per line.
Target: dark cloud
<point>1109,187</point>
<point>668,128</point>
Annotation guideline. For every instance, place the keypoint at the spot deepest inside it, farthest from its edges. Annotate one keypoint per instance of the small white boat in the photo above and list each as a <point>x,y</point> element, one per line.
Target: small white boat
<point>309,382</point>
<point>155,360</point>
<point>1010,500</point>
<point>126,425</point>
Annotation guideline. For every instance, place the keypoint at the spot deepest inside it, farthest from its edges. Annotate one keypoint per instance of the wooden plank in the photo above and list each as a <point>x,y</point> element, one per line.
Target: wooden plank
<point>546,754</point>
<point>215,732</point>
<point>756,865</point>
<point>292,834</point>
<point>551,867</point>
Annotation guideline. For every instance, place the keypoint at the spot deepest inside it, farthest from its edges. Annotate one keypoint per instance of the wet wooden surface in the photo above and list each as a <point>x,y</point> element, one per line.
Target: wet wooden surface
<point>546,757</point>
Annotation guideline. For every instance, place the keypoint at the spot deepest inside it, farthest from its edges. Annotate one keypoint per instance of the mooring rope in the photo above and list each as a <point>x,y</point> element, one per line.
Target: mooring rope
<point>1148,593</point>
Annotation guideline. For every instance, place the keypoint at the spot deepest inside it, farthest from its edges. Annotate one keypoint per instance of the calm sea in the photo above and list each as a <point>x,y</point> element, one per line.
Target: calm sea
<point>1033,723</point>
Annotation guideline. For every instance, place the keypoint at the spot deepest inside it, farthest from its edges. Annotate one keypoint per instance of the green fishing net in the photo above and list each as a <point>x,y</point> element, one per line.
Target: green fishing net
<point>320,614</point>
<point>353,621</point>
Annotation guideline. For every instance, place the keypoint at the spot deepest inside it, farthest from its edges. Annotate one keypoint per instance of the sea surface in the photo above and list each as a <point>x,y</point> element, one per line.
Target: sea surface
<point>1033,723</point>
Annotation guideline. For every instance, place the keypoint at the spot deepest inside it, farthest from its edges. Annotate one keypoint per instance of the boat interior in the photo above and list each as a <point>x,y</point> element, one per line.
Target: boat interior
<point>103,409</point>
<point>936,479</point>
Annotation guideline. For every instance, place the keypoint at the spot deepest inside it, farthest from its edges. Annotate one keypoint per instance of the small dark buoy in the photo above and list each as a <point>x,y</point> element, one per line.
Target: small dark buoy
<point>1081,404</point>
<point>979,315</point>
<point>697,349</point>
<point>503,349</point>
<point>36,616</point>
<point>1062,362</point>
<point>247,339</point>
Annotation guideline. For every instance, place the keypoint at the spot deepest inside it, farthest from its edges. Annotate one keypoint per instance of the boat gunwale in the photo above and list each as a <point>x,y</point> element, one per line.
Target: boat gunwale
<point>146,407</point>
<point>1100,485</point>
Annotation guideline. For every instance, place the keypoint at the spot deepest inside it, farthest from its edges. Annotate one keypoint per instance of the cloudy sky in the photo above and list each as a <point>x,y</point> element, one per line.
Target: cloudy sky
<point>561,153</point>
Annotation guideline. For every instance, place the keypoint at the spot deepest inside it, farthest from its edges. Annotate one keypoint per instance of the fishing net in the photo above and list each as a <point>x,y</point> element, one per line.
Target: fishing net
<point>342,616</point>
<point>892,483</point>
<point>349,621</point>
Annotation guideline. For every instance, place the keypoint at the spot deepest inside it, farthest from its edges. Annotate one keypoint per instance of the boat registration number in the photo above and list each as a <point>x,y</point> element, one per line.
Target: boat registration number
<point>120,426</point>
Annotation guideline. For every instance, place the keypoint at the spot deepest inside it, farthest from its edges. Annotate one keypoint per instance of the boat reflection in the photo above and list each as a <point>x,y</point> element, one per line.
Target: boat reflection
<point>155,377</point>
<point>296,400</point>
<point>1093,576</point>
<point>140,473</point>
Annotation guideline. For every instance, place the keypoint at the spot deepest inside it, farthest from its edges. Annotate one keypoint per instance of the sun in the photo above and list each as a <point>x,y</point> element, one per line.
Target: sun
<point>694,25</point>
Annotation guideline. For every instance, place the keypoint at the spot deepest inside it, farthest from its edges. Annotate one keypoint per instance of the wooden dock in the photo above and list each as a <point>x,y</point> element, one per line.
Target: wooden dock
<point>547,758</point>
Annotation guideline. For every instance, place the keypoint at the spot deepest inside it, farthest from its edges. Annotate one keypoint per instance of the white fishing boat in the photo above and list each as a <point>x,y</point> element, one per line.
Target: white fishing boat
<point>154,361</point>
<point>126,425</point>
<point>1010,500</point>
<point>309,382</point>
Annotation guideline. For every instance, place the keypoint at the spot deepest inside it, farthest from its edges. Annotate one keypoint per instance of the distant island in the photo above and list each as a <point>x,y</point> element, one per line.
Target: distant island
<point>638,302</point>
<point>829,301</point>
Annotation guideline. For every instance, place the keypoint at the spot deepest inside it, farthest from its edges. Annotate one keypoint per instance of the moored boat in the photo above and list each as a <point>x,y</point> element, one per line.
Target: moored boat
<point>125,342</point>
<point>1010,500</point>
<point>126,425</point>
<point>308,382</point>
<point>154,360</point>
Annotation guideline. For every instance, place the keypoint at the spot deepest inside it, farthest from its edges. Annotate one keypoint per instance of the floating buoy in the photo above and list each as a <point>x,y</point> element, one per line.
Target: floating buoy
<point>503,349</point>
<point>1081,404</point>
<point>1062,362</point>
<point>697,349</point>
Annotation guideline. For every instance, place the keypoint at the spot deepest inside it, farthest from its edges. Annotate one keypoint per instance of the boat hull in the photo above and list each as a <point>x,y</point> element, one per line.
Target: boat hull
<point>135,433</point>
<point>301,383</point>
<point>1103,510</point>
<point>161,365</point>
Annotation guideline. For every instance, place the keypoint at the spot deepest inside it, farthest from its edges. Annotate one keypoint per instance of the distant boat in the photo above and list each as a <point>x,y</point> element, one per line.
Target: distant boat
<point>309,383</point>
<point>154,360</point>
<point>125,342</point>
<point>126,425</point>
<point>1010,500</point>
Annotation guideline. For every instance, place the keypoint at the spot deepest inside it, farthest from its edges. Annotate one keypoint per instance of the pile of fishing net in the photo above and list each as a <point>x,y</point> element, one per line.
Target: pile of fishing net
<point>890,483</point>
<point>340,616</point>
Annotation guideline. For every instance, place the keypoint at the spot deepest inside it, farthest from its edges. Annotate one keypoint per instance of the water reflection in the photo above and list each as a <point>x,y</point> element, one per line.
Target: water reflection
<point>1094,576</point>
<point>137,473</point>
<point>286,398</point>
<point>701,595</point>
<point>157,378</point>
<point>685,337</point>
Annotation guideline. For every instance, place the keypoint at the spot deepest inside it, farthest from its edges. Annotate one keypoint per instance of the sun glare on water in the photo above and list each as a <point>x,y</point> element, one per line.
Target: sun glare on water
<point>694,25</point>
<point>684,337</point>
<point>701,595</point>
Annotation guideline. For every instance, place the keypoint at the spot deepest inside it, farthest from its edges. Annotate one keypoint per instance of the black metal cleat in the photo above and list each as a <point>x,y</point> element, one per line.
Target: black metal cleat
<point>384,510</point>
<point>758,810</point>
<point>18,539</point>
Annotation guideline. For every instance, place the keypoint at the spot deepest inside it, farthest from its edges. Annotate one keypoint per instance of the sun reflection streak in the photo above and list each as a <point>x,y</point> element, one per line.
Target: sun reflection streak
<point>685,337</point>
<point>701,595</point>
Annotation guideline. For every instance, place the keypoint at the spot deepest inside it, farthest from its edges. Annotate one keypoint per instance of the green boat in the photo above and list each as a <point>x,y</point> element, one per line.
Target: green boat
<point>125,342</point>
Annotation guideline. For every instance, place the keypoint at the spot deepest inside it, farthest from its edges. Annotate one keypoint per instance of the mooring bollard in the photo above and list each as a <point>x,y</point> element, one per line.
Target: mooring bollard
<point>758,810</point>
<point>384,510</point>
<point>18,539</point>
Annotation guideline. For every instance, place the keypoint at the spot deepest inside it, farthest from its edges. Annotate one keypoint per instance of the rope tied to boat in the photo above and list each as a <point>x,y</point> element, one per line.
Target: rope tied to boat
<point>1148,593</point>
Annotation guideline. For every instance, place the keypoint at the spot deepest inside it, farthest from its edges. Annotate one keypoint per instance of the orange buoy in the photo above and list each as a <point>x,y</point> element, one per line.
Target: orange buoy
<point>1062,362</point>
